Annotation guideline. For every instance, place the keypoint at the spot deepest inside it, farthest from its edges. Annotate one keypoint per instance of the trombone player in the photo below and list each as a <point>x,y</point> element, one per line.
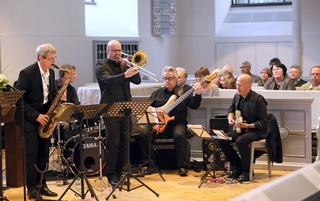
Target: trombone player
<point>114,79</point>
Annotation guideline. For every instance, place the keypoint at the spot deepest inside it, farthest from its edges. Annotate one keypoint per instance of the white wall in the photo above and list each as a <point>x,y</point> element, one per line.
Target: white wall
<point>26,24</point>
<point>310,34</point>
<point>62,23</point>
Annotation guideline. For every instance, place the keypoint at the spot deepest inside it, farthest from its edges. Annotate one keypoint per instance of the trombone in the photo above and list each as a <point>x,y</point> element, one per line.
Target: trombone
<point>139,59</point>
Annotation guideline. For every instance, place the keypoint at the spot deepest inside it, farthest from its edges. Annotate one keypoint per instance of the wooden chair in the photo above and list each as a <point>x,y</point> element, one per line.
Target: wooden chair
<point>259,146</point>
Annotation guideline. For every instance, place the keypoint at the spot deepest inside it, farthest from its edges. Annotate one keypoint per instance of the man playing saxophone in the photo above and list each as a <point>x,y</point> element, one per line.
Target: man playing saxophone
<point>38,83</point>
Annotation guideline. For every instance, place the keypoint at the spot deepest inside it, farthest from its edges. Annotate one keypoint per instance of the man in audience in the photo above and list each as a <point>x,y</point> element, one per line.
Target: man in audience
<point>228,68</point>
<point>252,108</point>
<point>314,84</point>
<point>295,74</point>
<point>245,68</point>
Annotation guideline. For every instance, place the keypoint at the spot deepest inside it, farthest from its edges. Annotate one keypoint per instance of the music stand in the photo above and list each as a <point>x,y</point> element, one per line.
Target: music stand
<point>125,109</point>
<point>7,101</point>
<point>79,113</point>
<point>202,133</point>
<point>146,119</point>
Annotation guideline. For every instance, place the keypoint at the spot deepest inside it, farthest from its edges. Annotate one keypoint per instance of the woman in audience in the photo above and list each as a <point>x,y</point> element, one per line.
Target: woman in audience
<point>226,80</point>
<point>265,74</point>
<point>279,79</point>
<point>207,87</point>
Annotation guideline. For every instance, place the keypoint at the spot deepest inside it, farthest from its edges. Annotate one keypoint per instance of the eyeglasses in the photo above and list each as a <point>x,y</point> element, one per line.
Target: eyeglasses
<point>51,59</point>
<point>116,50</point>
<point>168,78</point>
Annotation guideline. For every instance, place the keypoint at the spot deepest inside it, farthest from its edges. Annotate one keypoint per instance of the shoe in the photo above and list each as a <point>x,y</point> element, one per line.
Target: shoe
<point>32,193</point>
<point>113,180</point>
<point>234,173</point>
<point>244,177</point>
<point>183,172</point>
<point>47,192</point>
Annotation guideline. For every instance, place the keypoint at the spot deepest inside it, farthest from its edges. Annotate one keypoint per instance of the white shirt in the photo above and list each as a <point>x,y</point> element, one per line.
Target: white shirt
<point>45,83</point>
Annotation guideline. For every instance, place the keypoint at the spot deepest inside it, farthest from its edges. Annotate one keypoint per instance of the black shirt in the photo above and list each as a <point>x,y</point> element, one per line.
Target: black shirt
<point>180,112</point>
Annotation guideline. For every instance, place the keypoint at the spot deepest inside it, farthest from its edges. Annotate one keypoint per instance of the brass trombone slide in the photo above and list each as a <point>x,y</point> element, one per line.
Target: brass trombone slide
<point>139,59</point>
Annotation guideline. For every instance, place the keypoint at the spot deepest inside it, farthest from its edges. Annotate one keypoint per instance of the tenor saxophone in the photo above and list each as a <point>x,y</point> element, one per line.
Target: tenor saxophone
<point>56,108</point>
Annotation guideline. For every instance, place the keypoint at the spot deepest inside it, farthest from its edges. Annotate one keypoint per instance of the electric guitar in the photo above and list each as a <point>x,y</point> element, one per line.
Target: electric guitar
<point>163,117</point>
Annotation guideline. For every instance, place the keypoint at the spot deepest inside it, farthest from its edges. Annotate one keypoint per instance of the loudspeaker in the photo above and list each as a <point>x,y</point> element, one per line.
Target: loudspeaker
<point>212,153</point>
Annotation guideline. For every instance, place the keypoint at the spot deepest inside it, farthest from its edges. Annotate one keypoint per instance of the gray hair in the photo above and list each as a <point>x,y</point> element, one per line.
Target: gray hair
<point>298,67</point>
<point>170,69</point>
<point>183,70</point>
<point>246,63</point>
<point>44,49</point>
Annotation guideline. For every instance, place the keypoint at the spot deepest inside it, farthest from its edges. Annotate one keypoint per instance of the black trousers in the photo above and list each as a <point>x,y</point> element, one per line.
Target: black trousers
<point>242,142</point>
<point>118,130</point>
<point>36,152</point>
<point>178,133</point>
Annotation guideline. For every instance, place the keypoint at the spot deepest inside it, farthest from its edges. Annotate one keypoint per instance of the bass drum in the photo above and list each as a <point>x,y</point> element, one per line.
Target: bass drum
<point>90,156</point>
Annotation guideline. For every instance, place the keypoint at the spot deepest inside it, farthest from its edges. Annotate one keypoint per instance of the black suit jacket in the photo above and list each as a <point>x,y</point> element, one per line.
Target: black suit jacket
<point>30,81</point>
<point>113,85</point>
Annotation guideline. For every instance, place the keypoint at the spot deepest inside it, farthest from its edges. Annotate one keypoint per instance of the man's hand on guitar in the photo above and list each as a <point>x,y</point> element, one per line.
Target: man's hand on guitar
<point>197,87</point>
<point>43,119</point>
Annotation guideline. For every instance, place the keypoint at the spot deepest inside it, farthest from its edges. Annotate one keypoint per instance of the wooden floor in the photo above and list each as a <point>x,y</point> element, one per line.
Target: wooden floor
<point>175,188</point>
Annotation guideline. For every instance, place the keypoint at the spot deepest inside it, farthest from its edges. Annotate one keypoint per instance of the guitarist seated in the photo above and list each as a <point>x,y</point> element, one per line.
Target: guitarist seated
<point>172,113</point>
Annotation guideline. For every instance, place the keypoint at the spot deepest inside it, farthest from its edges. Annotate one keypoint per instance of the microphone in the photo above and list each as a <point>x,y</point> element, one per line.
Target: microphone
<point>55,66</point>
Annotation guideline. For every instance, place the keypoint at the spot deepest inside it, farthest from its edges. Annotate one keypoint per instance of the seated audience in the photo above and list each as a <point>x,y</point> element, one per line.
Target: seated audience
<point>226,80</point>
<point>279,79</point>
<point>265,74</point>
<point>252,107</point>
<point>207,87</point>
<point>314,84</point>
<point>295,74</point>
<point>245,68</point>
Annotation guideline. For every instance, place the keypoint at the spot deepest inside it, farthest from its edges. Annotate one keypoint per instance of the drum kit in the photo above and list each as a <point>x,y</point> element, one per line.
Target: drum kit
<point>65,151</point>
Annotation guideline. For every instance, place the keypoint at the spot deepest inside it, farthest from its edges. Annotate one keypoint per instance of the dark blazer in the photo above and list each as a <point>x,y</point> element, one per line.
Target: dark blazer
<point>30,81</point>
<point>113,85</point>
<point>274,143</point>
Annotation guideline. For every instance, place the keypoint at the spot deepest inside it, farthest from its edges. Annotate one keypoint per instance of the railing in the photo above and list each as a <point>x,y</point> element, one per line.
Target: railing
<point>248,3</point>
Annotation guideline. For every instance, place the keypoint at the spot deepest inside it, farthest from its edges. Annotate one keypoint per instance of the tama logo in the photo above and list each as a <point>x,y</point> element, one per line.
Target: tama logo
<point>90,145</point>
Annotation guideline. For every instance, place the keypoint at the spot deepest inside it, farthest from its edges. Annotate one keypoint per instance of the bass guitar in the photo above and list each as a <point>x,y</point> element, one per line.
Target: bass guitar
<point>162,113</point>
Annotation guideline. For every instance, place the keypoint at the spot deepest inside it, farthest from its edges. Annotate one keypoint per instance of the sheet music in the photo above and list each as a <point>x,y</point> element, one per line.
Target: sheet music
<point>199,131</point>
<point>220,134</point>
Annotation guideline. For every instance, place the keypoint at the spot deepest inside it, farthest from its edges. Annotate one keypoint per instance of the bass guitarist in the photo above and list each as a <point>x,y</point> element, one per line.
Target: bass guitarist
<point>177,127</point>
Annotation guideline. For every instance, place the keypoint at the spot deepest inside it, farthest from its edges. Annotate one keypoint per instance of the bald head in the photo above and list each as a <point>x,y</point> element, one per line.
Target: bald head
<point>243,84</point>
<point>114,50</point>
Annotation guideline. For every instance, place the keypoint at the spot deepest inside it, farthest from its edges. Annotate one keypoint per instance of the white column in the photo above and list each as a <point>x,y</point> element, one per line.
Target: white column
<point>296,32</point>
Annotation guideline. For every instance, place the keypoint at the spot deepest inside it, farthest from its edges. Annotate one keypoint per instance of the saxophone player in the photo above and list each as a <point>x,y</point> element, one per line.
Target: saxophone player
<point>38,82</point>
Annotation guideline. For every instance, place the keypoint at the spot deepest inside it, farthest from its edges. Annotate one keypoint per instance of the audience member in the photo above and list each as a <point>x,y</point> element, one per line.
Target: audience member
<point>182,76</point>
<point>207,87</point>
<point>279,79</point>
<point>245,68</point>
<point>314,84</point>
<point>265,74</point>
<point>226,80</point>
<point>228,68</point>
<point>295,74</point>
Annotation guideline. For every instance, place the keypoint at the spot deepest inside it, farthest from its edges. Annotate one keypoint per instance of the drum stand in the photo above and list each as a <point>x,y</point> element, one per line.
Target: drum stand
<point>59,164</point>
<point>102,185</point>
<point>79,114</point>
